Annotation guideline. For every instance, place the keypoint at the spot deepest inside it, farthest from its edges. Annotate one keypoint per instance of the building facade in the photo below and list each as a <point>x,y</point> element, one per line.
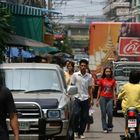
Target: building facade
<point>78,35</point>
<point>119,10</point>
<point>135,10</point>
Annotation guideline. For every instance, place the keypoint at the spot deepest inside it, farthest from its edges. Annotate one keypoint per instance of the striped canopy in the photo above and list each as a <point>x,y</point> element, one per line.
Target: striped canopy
<point>22,9</point>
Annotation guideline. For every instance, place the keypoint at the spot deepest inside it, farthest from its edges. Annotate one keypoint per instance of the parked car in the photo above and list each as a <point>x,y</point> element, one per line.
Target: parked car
<point>43,100</point>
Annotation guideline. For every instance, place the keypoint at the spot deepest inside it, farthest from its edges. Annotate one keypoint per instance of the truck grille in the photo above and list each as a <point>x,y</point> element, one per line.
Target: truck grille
<point>28,110</point>
<point>28,117</point>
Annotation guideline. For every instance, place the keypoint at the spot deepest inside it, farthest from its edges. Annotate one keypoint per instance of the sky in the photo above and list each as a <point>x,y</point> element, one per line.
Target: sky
<point>71,9</point>
<point>82,7</point>
<point>79,7</point>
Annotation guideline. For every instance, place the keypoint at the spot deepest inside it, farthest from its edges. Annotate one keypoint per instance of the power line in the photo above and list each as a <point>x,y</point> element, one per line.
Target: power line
<point>67,7</point>
<point>64,2</point>
<point>75,7</point>
<point>88,7</point>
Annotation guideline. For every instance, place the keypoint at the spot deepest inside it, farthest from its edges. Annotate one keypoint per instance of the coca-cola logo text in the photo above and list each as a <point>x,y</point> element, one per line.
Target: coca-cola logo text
<point>133,47</point>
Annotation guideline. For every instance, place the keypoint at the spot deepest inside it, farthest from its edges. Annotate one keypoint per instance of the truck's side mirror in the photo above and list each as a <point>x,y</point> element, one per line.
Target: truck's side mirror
<point>72,90</point>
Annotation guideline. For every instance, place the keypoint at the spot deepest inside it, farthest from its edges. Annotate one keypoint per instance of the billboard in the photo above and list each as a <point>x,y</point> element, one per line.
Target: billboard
<point>129,46</point>
<point>113,41</point>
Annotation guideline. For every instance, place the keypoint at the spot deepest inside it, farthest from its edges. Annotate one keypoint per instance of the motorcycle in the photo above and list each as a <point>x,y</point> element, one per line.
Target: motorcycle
<point>132,123</point>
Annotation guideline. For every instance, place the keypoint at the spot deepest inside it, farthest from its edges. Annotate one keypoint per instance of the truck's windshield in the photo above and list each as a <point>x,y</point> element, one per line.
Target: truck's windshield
<point>32,79</point>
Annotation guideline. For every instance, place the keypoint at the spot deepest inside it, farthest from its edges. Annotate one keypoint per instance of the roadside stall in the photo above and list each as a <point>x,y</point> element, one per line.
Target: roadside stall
<point>22,49</point>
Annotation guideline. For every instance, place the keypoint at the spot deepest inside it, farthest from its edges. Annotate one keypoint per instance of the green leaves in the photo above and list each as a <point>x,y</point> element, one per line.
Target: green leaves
<point>5,30</point>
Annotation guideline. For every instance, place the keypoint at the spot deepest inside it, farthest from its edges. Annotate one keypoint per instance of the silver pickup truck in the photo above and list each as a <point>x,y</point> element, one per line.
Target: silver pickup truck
<point>121,70</point>
<point>43,100</point>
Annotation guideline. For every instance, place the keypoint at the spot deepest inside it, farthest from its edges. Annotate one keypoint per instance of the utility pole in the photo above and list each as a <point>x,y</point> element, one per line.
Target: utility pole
<point>49,9</point>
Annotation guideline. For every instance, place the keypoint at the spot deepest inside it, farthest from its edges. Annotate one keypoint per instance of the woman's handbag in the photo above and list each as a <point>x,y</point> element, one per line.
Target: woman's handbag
<point>90,120</point>
<point>90,117</point>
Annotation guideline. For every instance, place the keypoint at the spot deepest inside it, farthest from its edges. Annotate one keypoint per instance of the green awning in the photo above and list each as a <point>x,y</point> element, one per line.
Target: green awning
<point>46,50</point>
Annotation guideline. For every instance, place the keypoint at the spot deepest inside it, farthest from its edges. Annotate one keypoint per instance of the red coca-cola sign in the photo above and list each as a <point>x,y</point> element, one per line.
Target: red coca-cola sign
<point>129,46</point>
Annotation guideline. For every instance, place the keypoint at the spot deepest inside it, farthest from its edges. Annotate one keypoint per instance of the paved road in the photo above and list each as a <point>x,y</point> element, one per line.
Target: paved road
<point>96,133</point>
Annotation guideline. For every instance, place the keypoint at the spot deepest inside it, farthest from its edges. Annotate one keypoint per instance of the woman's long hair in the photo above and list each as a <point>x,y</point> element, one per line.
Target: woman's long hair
<point>104,75</point>
<point>72,64</point>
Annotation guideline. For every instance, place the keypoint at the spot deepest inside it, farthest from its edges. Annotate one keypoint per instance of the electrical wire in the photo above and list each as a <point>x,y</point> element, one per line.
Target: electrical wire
<point>67,6</point>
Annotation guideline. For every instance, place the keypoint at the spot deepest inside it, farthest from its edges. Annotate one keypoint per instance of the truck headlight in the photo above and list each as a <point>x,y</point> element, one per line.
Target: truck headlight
<point>53,114</point>
<point>64,113</point>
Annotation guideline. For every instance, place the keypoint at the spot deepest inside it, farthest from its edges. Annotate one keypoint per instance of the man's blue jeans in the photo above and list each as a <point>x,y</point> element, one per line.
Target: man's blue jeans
<point>81,110</point>
<point>106,106</point>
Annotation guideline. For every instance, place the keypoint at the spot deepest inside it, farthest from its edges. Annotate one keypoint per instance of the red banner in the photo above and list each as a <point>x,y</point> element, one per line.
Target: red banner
<point>129,46</point>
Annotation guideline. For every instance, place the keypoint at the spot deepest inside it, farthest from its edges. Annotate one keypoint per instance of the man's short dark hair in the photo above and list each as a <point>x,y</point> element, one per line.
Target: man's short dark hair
<point>134,77</point>
<point>83,61</point>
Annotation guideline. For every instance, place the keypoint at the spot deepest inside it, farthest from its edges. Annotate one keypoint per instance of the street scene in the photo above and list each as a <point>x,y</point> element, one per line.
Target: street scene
<point>69,69</point>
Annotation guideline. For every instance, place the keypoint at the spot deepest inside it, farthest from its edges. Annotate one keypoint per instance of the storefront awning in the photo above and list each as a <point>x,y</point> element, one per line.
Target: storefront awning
<point>20,9</point>
<point>38,47</point>
<point>16,40</point>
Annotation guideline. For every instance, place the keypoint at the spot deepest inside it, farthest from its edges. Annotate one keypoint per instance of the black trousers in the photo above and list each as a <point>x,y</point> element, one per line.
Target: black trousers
<point>81,110</point>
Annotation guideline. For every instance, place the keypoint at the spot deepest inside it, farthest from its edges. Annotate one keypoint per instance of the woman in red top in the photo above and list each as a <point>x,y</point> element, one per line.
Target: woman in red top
<point>105,97</point>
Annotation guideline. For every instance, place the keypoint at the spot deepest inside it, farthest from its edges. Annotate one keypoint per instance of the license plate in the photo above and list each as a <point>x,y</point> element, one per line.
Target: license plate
<point>23,125</point>
<point>132,123</point>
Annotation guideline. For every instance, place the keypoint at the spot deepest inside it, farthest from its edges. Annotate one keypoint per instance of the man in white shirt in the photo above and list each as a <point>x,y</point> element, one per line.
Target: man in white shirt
<point>83,81</point>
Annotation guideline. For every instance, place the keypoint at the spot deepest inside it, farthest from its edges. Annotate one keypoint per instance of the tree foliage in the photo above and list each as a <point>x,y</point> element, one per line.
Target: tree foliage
<point>66,46</point>
<point>5,30</point>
